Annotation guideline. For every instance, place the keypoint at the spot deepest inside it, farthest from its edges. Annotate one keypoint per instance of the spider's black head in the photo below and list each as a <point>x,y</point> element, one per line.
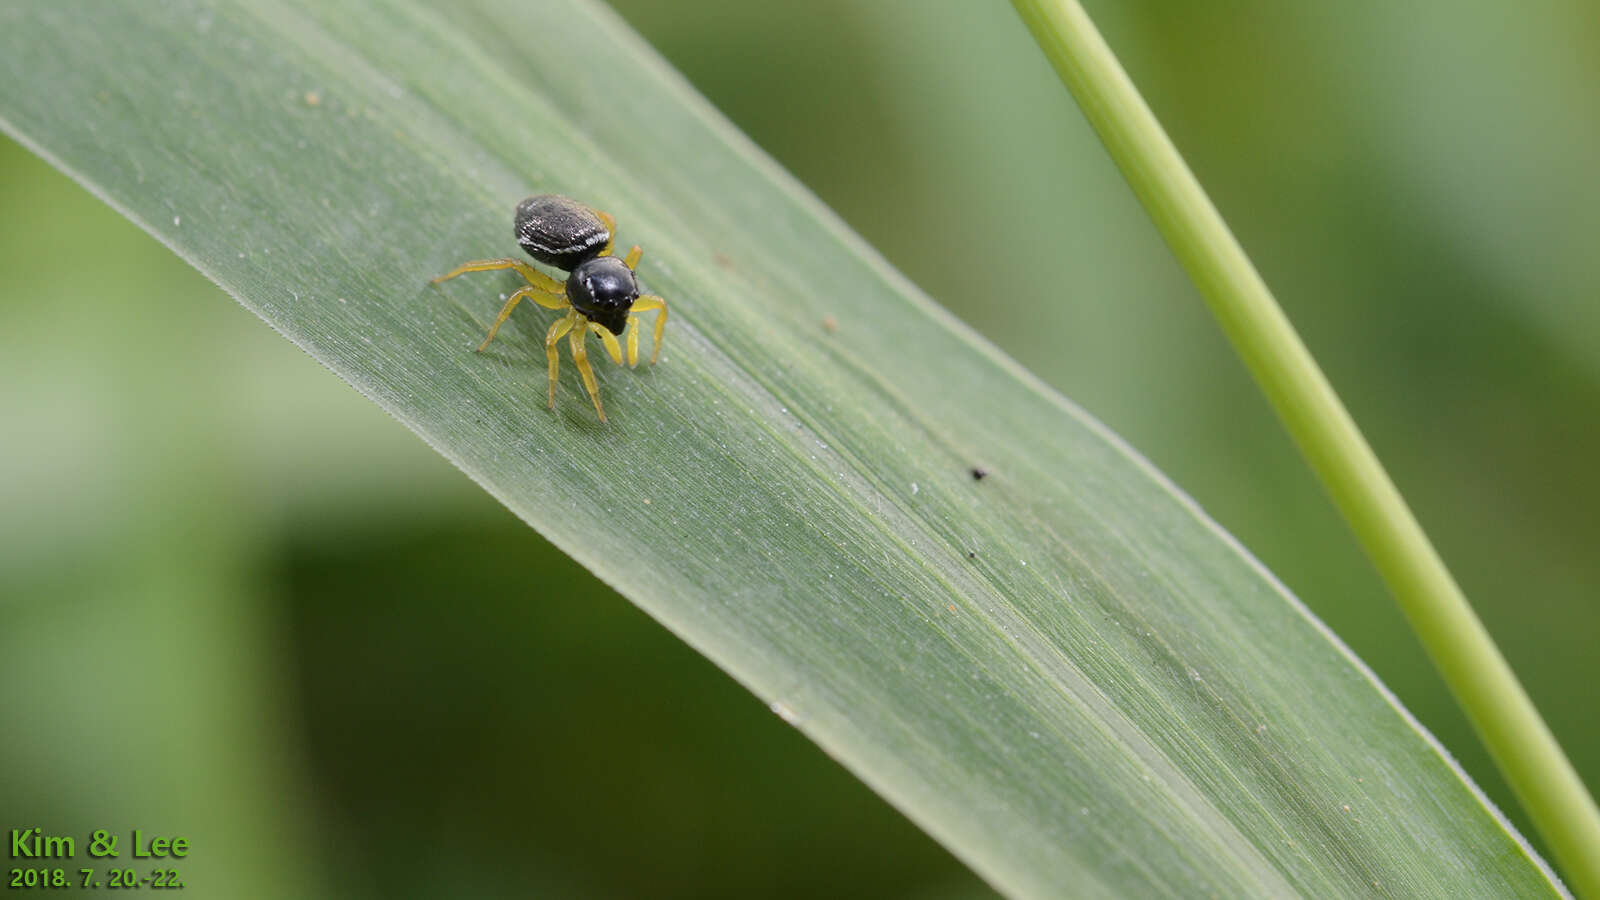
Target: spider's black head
<point>560,232</point>
<point>603,289</point>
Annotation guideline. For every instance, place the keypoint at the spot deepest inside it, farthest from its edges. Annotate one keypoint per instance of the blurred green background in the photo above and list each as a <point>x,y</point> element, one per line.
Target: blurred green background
<point>241,604</point>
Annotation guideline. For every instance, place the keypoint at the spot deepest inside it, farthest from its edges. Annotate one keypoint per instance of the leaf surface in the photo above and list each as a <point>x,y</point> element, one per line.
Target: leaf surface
<point>1063,671</point>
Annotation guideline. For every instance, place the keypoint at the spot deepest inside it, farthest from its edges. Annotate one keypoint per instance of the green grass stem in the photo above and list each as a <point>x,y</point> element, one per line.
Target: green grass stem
<point>1466,656</point>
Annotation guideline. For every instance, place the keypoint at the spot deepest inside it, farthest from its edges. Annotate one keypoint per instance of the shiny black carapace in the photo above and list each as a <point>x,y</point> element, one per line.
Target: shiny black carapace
<point>600,294</point>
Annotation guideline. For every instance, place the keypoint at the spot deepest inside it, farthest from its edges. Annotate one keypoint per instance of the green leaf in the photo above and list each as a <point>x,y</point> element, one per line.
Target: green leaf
<point>1546,783</point>
<point>1063,671</point>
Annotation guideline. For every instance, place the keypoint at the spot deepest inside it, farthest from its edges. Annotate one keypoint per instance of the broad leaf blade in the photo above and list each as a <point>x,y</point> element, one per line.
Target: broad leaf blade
<point>1063,671</point>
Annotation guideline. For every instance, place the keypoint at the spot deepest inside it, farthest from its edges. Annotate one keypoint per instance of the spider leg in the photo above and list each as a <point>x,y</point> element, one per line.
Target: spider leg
<point>559,328</point>
<point>533,276</point>
<point>648,302</point>
<point>611,229</point>
<point>581,357</point>
<point>516,297</point>
<point>632,262</point>
<point>609,339</point>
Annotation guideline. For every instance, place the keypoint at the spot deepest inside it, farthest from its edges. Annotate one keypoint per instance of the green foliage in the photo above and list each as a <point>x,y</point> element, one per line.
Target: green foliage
<point>1064,672</point>
<point>1545,781</point>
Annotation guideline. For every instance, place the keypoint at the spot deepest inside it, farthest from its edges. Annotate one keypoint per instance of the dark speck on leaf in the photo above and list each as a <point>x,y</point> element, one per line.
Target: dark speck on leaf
<point>979,474</point>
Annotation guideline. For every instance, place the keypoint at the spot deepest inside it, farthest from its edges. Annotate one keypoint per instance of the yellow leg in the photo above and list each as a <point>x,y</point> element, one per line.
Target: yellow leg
<point>633,341</point>
<point>611,229</point>
<point>648,302</point>
<point>581,357</point>
<point>533,276</point>
<point>511,303</point>
<point>561,327</point>
<point>610,340</point>
<point>632,259</point>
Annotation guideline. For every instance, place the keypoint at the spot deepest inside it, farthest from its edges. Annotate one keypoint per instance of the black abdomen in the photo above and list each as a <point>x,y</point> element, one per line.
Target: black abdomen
<point>558,231</point>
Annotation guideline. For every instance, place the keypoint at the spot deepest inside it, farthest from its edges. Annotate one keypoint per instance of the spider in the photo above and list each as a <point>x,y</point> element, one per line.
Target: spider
<point>600,293</point>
